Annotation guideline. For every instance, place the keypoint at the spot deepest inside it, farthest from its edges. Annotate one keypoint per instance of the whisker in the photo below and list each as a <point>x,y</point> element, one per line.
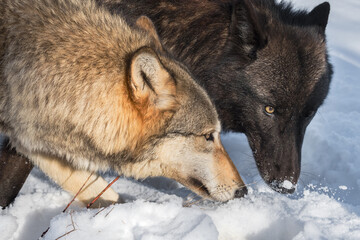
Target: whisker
<point>202,185</point>
<point>302,182</point>
<point>194,202</point>
<point>247,155</point>
<point>309,174</point>
<point>188,204</point>
<point>224,190</point>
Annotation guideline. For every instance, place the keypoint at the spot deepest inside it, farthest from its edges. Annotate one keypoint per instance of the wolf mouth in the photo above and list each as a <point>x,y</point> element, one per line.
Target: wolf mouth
<point>199,185</point>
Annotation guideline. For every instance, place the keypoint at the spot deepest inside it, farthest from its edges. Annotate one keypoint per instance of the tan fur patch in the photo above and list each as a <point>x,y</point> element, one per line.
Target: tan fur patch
<point>72,180</point>
<point>226,167</point>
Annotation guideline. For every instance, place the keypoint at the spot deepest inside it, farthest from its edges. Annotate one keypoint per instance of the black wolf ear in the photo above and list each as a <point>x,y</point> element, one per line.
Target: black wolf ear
<point>247,26</point>
<point>150,82</point>
<point>319,15</point>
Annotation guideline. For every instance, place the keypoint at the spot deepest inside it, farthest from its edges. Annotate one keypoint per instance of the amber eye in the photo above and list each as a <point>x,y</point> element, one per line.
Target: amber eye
<point>209,137</point>
<point>269,110</point>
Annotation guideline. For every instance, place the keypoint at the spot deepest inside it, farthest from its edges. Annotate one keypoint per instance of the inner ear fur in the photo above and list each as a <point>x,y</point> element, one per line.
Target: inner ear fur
<point>150,82</point>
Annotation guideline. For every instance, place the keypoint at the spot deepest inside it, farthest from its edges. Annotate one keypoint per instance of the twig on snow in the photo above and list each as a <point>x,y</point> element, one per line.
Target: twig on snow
<point>43,234</point>
<point>109,211</point>
<point>72,200</point>
<point>98,196</point>
<point>67,233</point>
<point>102,209</point>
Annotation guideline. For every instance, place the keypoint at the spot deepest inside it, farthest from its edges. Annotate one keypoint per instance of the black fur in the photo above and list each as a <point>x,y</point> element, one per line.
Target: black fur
<point>14,171</point>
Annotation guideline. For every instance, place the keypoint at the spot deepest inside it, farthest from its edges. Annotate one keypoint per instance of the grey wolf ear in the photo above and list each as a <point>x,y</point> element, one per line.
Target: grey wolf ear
<point>150,83</point>
<point>147,25</point>
<point>247,25</point>
<point>319,15</point>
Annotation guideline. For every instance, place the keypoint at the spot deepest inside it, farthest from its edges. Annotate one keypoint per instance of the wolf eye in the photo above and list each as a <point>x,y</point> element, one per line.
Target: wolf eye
<point>269,110</point>
<point>209,137</point>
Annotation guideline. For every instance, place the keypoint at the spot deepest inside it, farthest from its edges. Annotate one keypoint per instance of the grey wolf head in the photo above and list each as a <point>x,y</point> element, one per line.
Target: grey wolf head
<point>188,148</point>
<point>84,88</point>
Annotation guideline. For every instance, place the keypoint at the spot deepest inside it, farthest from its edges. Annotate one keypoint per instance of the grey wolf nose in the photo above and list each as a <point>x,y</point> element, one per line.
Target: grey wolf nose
<point>241,192</point>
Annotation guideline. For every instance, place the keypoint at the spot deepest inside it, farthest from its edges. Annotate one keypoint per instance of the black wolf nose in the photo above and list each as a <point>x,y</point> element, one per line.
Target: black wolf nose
<point>241,192</point>
<point>278,187</point>
<point>285,190</point>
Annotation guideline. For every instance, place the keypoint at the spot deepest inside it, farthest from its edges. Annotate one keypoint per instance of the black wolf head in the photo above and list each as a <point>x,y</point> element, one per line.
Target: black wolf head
<point>280,56</point>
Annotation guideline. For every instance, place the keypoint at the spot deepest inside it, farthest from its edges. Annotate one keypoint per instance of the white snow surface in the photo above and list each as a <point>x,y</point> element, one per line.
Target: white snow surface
<point>326,204</point>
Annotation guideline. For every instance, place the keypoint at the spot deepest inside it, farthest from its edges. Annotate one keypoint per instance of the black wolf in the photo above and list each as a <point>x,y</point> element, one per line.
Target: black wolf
<point>264,64</point>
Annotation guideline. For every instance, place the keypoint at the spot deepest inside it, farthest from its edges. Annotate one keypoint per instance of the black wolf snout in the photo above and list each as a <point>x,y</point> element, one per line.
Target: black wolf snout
<point>279,160</point>
<point>284,183</point>
<point>283,175</point>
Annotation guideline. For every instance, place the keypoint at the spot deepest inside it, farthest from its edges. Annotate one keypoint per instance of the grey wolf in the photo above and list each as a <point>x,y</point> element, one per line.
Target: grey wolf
<point>83,91</point>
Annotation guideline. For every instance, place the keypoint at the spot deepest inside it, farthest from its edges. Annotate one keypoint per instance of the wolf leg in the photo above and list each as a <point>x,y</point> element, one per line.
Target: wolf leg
<point>72,180</point>
<point>14,169</point>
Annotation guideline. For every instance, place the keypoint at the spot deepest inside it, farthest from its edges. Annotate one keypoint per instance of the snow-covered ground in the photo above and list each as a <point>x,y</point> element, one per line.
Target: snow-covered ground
<point>326,204</point>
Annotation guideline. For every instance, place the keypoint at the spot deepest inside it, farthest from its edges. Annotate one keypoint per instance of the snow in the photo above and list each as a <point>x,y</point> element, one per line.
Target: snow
<point>326,204</point>
<point>156,221</point>
<point>287,184</point>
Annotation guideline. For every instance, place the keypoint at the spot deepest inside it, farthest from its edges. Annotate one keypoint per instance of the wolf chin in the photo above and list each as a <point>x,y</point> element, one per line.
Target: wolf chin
<point>264,64</point>
<point>82,91</point>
